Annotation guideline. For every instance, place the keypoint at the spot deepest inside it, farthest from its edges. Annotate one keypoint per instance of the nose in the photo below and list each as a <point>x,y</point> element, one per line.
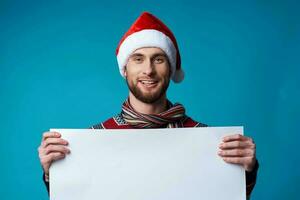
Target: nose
<point>148,68</point>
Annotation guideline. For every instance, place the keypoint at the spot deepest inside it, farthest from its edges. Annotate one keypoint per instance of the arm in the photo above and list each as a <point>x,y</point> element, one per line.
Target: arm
<point>241,150</point>
<point>52,148</point>
<point>251,179</point>
<point>46,182</point>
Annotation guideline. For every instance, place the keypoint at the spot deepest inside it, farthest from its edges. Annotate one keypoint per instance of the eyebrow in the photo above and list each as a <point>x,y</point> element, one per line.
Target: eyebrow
<point>153,56</point>
<point>136,54</point>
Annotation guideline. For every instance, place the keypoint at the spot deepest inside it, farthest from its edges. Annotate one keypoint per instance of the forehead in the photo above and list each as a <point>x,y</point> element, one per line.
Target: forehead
<point>149,51</point>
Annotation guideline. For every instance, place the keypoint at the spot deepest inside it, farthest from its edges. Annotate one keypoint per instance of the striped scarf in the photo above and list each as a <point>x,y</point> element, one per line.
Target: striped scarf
<point>170,118</point>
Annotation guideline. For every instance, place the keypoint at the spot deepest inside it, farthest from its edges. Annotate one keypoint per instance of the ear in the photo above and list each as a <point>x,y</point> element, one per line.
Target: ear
<point>125,72</point>
<point>170,70</point>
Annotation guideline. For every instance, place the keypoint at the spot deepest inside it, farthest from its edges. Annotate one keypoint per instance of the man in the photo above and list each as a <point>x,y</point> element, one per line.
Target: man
<point>148,57</point>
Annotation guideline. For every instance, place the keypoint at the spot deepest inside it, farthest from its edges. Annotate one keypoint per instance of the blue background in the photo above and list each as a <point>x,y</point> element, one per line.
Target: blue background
<point>58,70</point>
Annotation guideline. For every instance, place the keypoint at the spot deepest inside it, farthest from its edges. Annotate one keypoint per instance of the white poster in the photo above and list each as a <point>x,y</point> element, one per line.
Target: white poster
<point>146,164</point>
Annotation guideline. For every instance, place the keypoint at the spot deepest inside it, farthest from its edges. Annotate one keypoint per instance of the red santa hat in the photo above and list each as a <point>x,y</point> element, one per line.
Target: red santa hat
<point>149,31</point>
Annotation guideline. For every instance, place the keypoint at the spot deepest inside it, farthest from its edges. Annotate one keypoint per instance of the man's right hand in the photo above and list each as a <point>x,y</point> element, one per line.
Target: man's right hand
<point>52,148</point>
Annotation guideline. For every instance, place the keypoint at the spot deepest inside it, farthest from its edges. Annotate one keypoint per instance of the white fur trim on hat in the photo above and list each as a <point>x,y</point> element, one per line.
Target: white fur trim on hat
<point>149,38</point>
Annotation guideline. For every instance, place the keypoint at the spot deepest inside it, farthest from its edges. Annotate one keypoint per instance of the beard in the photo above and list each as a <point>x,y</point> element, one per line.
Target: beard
<point>147,97</point>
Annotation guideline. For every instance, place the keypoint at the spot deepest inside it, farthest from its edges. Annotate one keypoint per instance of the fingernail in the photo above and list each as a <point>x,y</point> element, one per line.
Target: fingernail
<point>64,141</point>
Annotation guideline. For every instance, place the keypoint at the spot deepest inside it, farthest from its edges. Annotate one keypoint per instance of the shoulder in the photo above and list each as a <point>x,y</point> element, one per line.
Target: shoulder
<point>189,122</point>
<point>115,122</point>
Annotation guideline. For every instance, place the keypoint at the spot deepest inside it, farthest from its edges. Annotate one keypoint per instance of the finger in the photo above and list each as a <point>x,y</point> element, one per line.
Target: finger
<point>53,148</point>
<point>57,148</point>
<point>58,141</point>
<point>48,159</point>
<point>234,137</point>
<point>236,153</point>
<point>237,160</point>
<point>247,162</point>
<point>235,144</point>
<point>51,134</point>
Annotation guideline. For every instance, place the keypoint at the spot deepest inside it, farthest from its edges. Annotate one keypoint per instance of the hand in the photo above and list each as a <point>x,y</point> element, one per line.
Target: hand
<point>52,148</point>
<point>238,149</point>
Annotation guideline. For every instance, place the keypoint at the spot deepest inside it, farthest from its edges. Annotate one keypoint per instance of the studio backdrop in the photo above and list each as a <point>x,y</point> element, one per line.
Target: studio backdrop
<point>58,69</point>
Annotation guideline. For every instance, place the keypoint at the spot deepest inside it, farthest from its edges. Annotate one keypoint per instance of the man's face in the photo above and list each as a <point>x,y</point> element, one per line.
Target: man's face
<point>148,74</point>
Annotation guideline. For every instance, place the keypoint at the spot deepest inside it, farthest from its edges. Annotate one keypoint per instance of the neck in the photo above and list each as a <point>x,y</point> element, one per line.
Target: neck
<point>148,108</point>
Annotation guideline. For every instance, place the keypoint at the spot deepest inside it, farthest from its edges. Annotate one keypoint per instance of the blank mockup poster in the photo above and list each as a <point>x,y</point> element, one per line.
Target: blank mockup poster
<point>146,164</point>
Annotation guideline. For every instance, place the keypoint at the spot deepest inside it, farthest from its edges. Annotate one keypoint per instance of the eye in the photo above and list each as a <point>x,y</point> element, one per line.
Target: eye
<point>138,59</point>
<point>159,60</point>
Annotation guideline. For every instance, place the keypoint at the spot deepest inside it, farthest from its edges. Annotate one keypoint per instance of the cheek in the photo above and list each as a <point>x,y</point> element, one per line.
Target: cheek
<point>129,74</point>
<point>131,77</point>
<point>164,71</point>
<point>131,70</point>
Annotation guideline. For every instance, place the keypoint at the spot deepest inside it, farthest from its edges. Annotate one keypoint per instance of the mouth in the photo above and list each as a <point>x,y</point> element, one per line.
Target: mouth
<point>149,83</point>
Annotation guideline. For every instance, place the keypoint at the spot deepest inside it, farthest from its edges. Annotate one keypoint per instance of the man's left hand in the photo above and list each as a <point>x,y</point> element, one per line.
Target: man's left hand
<point>238,149</point>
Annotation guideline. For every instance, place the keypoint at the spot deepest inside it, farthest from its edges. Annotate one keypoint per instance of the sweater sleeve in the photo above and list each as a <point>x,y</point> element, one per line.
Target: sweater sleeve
<point>46,183</point>
<point>251,179</point>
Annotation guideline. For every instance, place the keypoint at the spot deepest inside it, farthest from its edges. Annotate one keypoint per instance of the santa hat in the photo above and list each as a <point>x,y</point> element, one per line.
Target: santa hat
<point>149,31</point>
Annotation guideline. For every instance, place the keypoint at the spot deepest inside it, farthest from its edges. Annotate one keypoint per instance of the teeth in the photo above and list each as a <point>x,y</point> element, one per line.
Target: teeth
<point>148,82</point>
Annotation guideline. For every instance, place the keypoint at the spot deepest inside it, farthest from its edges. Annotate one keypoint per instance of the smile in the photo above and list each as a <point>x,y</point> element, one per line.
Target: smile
<point>148,83</point>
